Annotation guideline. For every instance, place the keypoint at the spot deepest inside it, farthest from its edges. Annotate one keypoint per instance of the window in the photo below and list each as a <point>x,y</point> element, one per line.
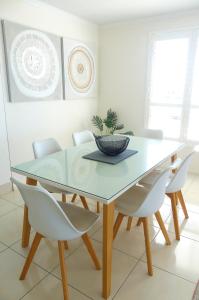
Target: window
<point>173,85</point>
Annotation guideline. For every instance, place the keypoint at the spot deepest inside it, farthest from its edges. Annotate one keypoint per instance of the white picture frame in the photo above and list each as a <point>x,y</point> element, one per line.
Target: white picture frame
<point>33,63</point>
<point>79,69</point>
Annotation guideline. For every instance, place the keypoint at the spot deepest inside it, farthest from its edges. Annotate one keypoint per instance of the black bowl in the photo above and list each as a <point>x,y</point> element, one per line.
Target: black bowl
<point>112,144</point>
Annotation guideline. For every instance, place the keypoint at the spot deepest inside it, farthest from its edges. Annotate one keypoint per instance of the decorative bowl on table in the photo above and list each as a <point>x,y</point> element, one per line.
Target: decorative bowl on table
<point>112,144</point>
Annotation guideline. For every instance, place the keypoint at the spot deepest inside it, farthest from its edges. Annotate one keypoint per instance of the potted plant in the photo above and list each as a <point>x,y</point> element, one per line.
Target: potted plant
<point>107,125</point>
<point>106,141</point>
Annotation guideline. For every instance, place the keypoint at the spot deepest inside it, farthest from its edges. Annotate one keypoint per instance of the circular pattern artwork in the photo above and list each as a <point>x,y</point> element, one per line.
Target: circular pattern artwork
<point>81,69</point>
<point>34,64</point>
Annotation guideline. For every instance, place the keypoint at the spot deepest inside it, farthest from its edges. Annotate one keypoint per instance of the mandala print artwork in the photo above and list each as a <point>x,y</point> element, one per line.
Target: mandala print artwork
<point>34,64</point>
<point>33,61</point>
<point>80,70</point>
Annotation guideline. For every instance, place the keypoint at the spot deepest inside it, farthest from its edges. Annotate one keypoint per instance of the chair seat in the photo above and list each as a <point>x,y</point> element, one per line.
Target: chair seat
<point>150,179</point>
<point>129,202</point>
<point>52,189</point>
<point>82,219</point>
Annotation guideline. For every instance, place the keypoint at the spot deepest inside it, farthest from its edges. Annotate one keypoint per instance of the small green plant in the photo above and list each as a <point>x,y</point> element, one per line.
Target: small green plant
<point>109,124</point>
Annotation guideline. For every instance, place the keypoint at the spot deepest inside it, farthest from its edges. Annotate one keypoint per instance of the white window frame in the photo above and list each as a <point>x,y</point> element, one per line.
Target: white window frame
<point>193,35</point>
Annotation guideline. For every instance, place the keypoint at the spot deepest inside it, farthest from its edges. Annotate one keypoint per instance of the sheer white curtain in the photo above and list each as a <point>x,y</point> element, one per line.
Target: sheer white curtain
<point>173,85</point>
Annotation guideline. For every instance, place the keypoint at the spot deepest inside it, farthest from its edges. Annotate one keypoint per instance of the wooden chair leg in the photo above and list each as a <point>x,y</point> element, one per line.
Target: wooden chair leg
<point>74,198</point>
<point>26,229</point>
<point>182,203</point>
<point>91,250</point>
<point>63,270</point>
<point>175,215</point>
<point>129,222</point>
<point>26,224</point>
<point>117,224</point>
<point>31,254</point>
<point>64,198</point>
<point>98,207</point>
<point>139,222</point>
<point>84,202</point>
<point>162,227</point>
<point>147,246</point>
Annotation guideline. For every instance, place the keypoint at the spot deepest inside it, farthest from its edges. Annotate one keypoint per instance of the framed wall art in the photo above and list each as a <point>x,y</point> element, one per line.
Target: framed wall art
<point>33,62</point>
<point>79,70</point>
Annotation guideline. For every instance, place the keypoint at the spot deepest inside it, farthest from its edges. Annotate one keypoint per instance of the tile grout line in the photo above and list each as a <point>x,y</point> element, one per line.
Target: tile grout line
<point>132,270</point>
<point>140,260</point>
<point>173,274</point>
<point>11,202</point>
<point>65,259</point>
<point>118,250</point>
<point>4,250</point>
<point>34,286</point>
<point>185,237</point>
<point>89,297</point>
<point>48,272</point>
<point>137,260</point>
<point>125,253</point>
<point>173,232</point>
<point>35,263</point>
<point>10,211</point>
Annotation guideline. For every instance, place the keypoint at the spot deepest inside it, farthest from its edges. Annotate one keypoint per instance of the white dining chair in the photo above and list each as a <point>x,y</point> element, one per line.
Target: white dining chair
<point>152,133</point>
<point>158,135</point>
<point>142,202</point>
<point>56,221</point>
<point>174,189</point>
<point>43,148</point>
<point>83,137</point>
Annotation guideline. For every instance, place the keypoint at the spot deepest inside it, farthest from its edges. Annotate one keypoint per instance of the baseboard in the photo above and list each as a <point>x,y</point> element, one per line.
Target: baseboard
<point>5,188</point>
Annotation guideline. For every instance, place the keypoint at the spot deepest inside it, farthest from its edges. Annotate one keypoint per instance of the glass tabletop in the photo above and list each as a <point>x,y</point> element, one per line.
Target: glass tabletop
<point>104,182</point>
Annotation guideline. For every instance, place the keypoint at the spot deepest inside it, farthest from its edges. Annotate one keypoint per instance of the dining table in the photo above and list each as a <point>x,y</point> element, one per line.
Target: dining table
<point>99,181</point>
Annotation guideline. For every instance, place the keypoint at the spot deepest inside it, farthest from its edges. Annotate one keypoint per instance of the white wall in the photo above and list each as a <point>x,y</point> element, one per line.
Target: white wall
<point>29,121</point>
<point>123,65</point>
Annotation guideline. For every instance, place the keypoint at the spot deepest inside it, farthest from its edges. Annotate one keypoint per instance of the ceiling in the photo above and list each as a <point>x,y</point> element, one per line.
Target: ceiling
<point>107,11</point>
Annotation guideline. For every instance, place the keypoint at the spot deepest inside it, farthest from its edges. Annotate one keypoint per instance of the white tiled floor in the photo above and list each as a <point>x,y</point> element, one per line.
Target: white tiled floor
<point>176,267</point>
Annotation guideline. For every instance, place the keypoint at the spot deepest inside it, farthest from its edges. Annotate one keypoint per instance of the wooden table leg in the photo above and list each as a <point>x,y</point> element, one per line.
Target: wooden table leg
<point>108,216</point>
<point>26,225</point>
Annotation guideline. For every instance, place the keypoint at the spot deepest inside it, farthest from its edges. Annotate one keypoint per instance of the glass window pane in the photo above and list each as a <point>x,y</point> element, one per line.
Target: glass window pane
<point>193,128</point>
<point>195,87</point>
<point>168,74</point>
<point>167,119</point>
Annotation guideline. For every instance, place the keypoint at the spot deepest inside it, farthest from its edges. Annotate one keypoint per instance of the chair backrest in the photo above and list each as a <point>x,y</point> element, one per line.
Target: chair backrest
<point>153,133</point>
<point>83,137</point>
<point>45,214</point>
<point>179,179</point>
<point>45,147</point>
<point>155,196</point>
